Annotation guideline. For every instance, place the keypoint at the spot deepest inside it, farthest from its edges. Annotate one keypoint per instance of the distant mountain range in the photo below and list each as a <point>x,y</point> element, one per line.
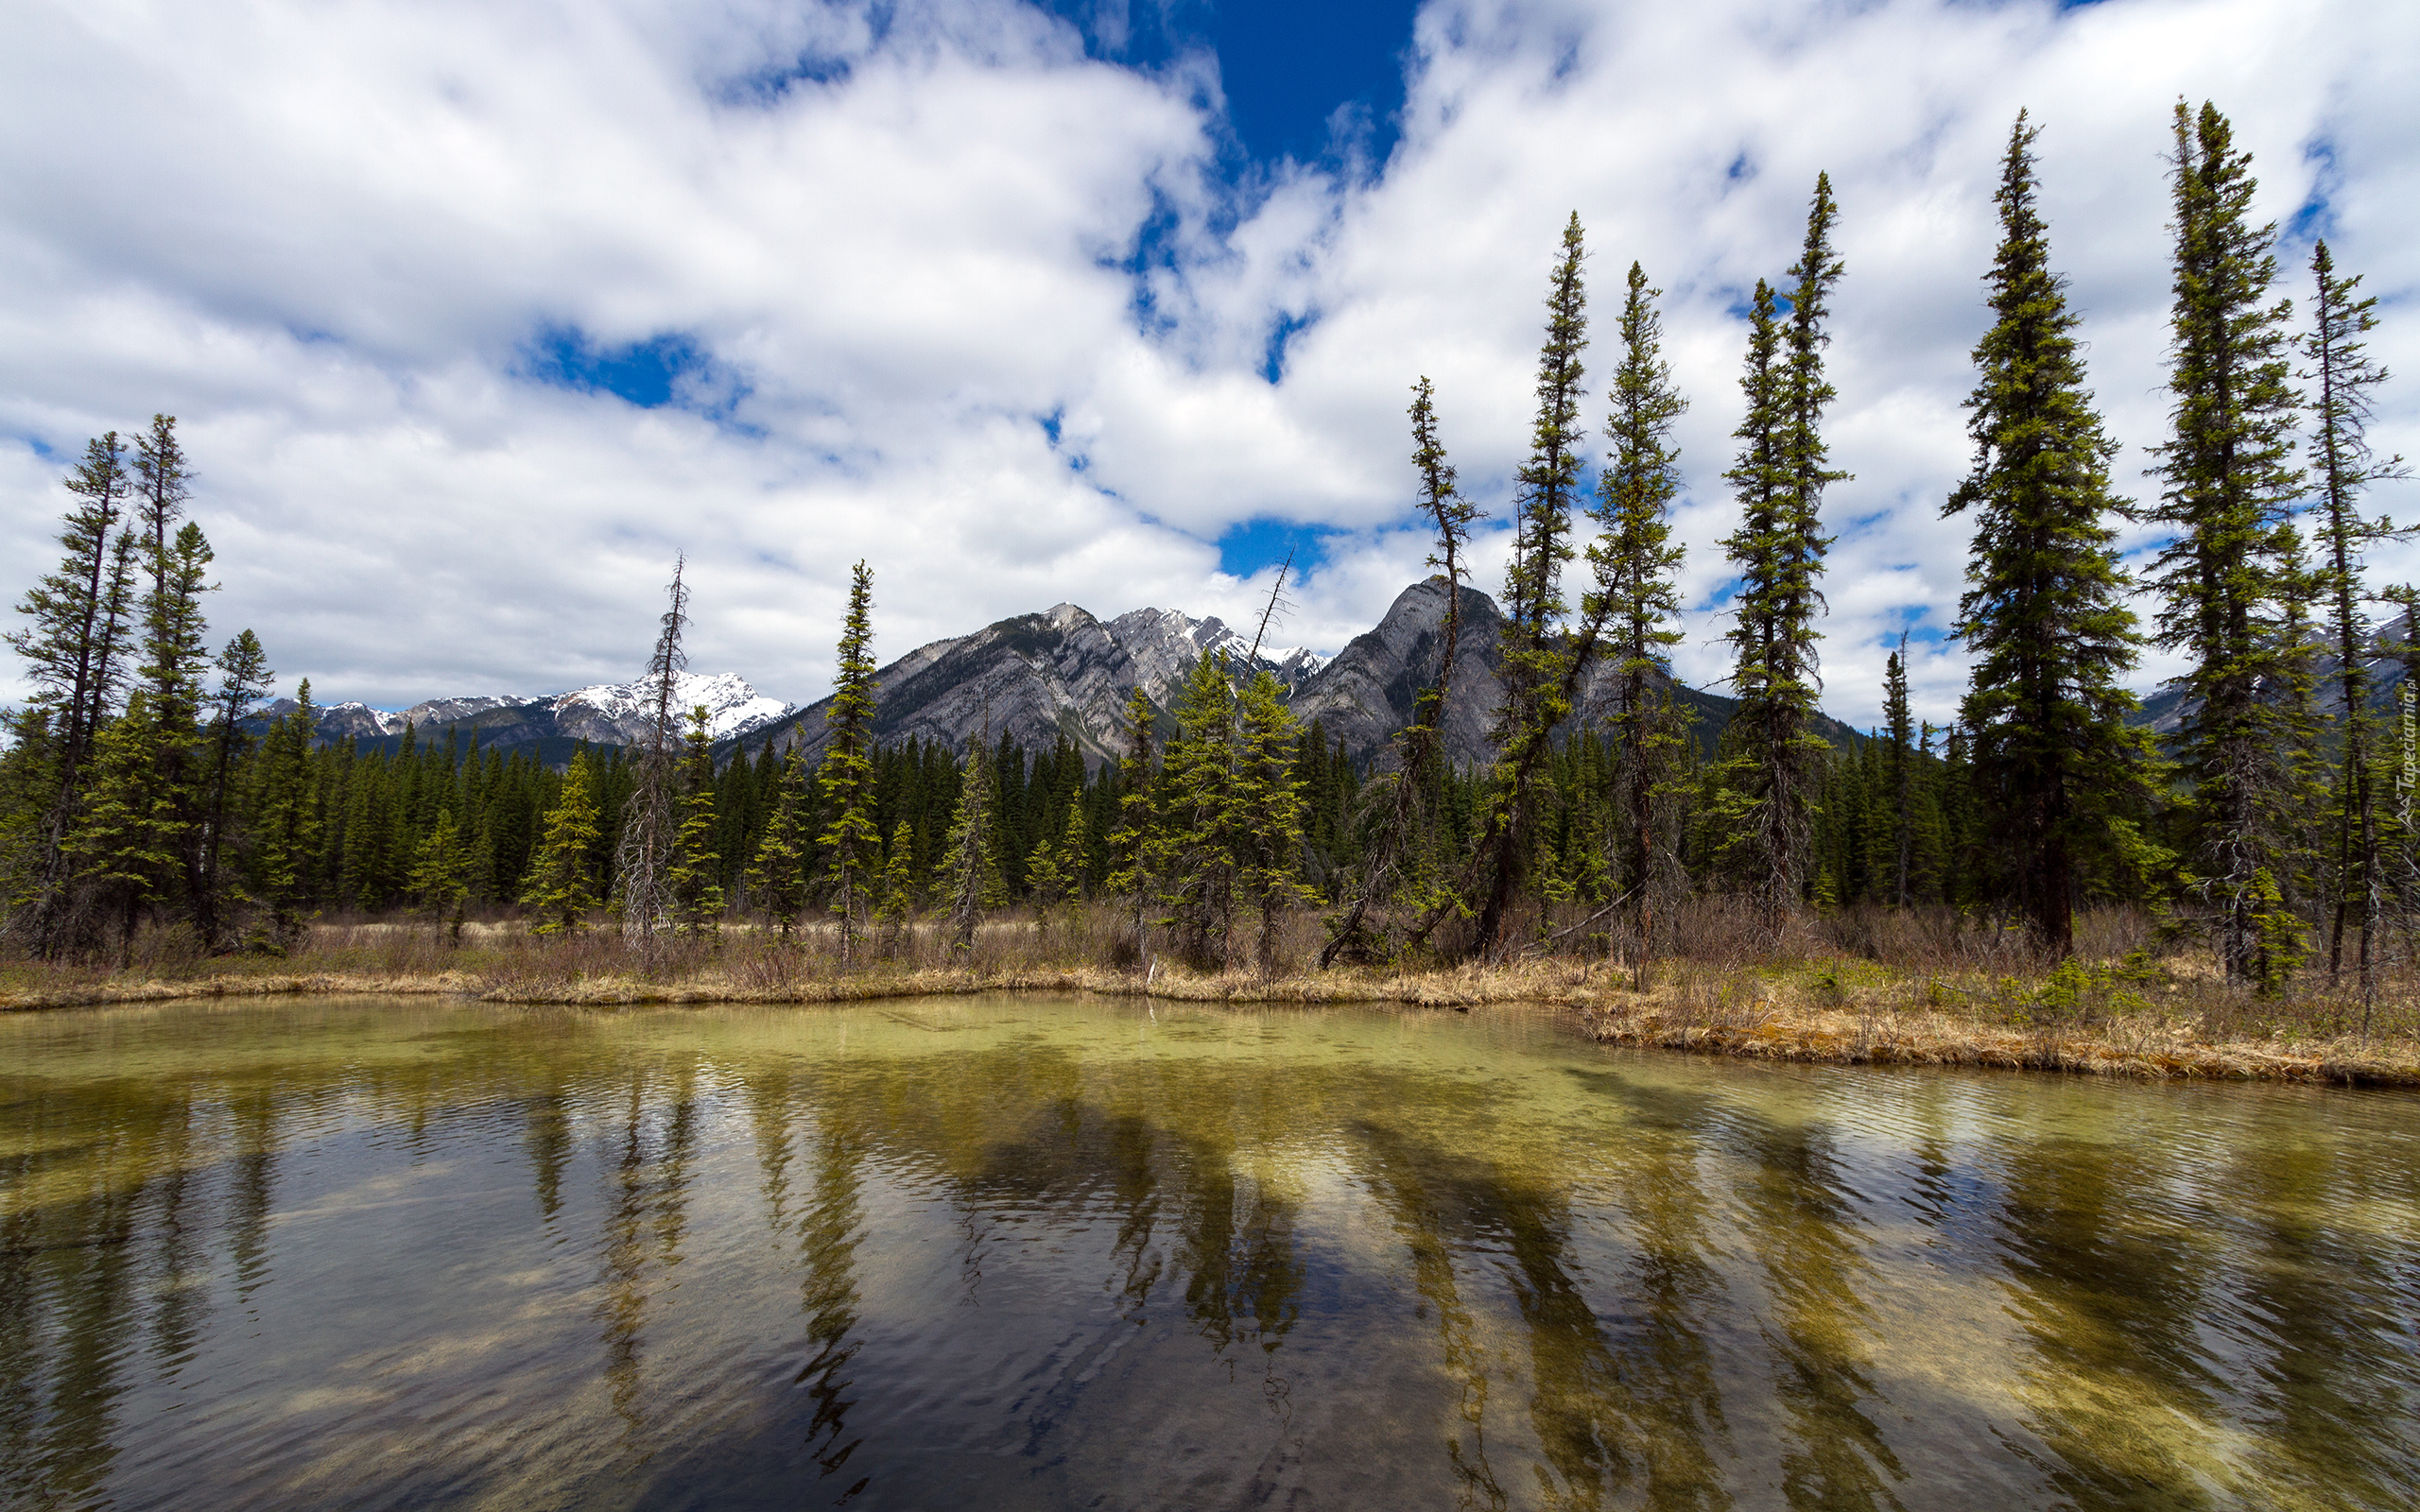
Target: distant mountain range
<point>2164,710</point>
<point>606,714</point>
<point>1037,677</point>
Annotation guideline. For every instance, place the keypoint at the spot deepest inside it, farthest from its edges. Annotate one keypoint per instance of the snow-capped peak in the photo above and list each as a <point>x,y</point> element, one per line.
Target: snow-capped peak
<point>731,706</point>
<point>384,721</point>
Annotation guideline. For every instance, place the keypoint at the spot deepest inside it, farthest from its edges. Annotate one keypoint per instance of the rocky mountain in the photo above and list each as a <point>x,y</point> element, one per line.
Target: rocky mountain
<point>608,713</point>
<point>1039,676</point>
<point>1366,694</point>
<point>2164,710</point>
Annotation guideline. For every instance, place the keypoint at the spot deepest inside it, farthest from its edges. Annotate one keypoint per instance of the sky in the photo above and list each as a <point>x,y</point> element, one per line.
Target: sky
<point>473,316</point>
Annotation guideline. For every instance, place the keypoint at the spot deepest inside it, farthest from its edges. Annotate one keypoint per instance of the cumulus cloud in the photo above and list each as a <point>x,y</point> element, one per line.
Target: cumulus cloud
<point>928,284</point>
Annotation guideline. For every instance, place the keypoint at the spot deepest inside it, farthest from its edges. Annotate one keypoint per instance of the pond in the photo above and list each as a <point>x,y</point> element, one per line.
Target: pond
<point>1022,1252</point>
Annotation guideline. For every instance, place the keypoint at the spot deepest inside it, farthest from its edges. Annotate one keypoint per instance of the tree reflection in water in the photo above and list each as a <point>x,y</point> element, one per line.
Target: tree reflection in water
<point>1029,1255</point>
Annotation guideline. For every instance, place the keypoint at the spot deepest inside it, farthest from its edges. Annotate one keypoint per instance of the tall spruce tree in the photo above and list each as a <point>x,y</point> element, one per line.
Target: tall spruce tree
<point>1129,844</point>
<point>1903,772</point>
<point>1535,663</point>
<point>1399,840</point>
<point>1772,758</point>
<point>1638,597</point>
<point>1193,856</point>
<point>78,618</point>
<point>693,883</point>
<point>2054,755</point>
<point>2343,376</point>
<point>176,657</point>
<point>777,877</point>
<point>243,680</point>
<point>2227,479</point>
<point>67,646</point>
<point>282,830</point>
<point>852,843</point>
<point>1266,803</point>
<point>562,889</point>
<point>440,877</point>
<point>971,873</point>
<point>896,911</point>
<point>1774,767</point>
<point>124,842</point>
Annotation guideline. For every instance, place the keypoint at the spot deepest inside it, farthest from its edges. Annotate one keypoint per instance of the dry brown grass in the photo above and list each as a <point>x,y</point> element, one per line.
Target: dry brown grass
<point>1883,1017</point>
<point>1863,987</point>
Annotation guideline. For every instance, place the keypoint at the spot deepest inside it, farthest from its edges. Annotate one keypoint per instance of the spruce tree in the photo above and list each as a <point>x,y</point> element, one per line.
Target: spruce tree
<point>243,680</point>
<point>1129,844</point>
<point>1775,764</point>
<point>137,839</point>
<point>1194,854</point>
<point>970,872</point>
<point>695,881</point>
<point>777,878</point>
<point>175,659</point>
<point>896,911</point>
<point>852,844</point>
<point>1903,774</point>
<point>1771,759</point>
<point>77,620</point>
<point>562,889</point>
<point>1055,877</point>
<point>2227,478</point>
<point>1636,597</point>
<point>440,877</point>
<point>69,609</point>
<point>283,831</point>
<point>163,484</point>
<point>1267,807</point>
<point>2054,755</point>
<point>124,842</point>
<point>2343,376</point>
<point>1534,662</point>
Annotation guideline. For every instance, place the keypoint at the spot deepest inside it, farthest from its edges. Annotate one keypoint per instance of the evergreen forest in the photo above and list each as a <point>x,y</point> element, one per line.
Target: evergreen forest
<point>144,791</point>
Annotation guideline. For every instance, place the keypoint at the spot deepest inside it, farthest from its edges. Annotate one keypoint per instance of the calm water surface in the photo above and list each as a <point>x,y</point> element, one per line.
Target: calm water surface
<point>1028,1253</point>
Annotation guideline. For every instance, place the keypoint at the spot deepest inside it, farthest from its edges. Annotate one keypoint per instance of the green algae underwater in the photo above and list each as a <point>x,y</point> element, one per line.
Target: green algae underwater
<point>1019,1251</point>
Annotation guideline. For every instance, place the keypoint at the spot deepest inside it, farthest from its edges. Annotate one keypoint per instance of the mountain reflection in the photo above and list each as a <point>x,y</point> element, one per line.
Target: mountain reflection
<point>1026,1255</point>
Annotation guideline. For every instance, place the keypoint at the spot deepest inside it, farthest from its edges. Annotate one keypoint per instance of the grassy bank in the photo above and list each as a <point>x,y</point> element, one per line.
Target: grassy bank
<point>1880,988</point>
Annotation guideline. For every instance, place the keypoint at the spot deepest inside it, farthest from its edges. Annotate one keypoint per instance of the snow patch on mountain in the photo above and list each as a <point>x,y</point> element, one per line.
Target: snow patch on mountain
<point>733,707</point>
<point>454,711</point>
<point>607,713</point>
<point>356,718</point>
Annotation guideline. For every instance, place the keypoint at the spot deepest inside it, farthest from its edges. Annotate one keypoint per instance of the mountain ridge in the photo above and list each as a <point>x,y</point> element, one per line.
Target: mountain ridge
<point>1062,673</point>
<point>611,714</point>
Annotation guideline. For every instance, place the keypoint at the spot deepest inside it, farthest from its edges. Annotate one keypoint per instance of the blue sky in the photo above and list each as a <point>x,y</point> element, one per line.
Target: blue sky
<point>1285,70</point>
<point>476,312</point>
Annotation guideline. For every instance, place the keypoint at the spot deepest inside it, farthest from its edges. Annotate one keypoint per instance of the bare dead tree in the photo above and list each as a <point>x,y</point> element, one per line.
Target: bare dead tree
<point>649,828</point>
<point>1277,602</point>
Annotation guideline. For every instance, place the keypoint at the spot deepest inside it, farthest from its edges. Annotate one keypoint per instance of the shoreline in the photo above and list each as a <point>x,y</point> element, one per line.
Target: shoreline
<point>2138,1047</point>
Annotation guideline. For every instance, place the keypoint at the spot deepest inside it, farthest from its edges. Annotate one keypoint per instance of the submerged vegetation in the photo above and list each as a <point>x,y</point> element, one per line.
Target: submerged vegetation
<point>2042,883</point>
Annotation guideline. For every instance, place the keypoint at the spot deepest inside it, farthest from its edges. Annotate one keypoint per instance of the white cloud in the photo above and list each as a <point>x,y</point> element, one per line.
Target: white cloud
<point>329,237</point>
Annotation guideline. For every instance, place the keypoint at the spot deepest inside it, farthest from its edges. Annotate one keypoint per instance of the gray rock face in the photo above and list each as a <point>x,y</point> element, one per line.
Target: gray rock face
<point>1039,676</point>
<point>1033,680</point>
<point>357,720</point>
<point>1366,694</point>
<point>2166,709</point>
